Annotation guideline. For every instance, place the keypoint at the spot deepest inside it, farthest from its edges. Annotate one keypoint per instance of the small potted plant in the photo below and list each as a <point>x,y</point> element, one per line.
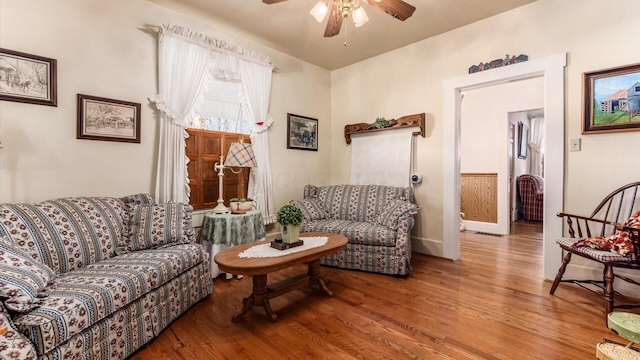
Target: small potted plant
<point>290,217</point>
<point>241,203</point>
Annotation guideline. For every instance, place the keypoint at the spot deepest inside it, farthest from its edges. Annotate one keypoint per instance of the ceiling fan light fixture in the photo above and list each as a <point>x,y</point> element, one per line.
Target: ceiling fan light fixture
<point>319,11</point>
<point>360,17</point>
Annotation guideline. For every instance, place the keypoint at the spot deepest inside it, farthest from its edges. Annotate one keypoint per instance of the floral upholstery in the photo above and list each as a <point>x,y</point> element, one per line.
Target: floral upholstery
<point>22,279</point>
<point>156,225</point>
<point>13,345</point>
<point>99,305</point>
<point>312,209</point>
<point>65,234</point>
<point>86,296</point>
<point>377,221</point>
<point>388,217</point>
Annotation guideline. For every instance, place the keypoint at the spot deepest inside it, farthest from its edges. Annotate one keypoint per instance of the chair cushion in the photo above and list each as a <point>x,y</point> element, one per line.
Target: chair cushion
<point>327,225</point>
<point>599,255</point>
<point>389,215</point>
<point>312,209</point>
<point>156,225</point>
<point>85,296</point>
<point>22,279</point>
<point>359,232</point>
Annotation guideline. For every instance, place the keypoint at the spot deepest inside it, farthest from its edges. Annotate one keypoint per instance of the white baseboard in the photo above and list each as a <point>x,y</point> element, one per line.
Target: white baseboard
<point>594,272</point>
<point>427,246</point>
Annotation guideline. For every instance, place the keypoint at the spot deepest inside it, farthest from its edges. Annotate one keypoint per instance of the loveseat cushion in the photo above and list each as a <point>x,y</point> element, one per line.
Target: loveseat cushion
<point>365,233</point>
<point>156,225</point>
<point>85,296</point>
<point>312,209</point>
<point>22,279</point>
<point>394,210</point>
<point>327,225</point>
<point>65,234</point>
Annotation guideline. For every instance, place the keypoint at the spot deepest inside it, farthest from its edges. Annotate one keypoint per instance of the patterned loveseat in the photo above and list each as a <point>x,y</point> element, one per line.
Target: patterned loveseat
<point>95,277</point>
<point>376,220</point>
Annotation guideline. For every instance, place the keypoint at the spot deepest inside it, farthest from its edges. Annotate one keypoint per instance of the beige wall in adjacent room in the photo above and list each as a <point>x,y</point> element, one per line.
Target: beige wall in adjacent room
<point>103,49</point>
<point>409,80</point>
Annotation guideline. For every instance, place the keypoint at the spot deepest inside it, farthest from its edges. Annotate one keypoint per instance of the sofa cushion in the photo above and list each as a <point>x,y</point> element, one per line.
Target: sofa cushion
<point>358,202</point>
<point>312,209</point>
<point>389,215</point>
<point>157,225</point>
<point>365,233</point>
<point>327,225</point>
<point>22,279</point>
<point>87,295</point>
<point>65,234</point>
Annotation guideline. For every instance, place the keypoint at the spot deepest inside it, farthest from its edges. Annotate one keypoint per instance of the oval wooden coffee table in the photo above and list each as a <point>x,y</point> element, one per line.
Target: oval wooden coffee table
<point>258,267</point>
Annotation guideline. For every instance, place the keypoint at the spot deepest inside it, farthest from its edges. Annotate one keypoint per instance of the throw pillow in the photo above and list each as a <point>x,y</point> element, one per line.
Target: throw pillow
<point>138,199</point>
<point>389,215</point>
<point>312,209</point>
<point>156,225</point>
<point>620,242</point>
<point>22,279</point>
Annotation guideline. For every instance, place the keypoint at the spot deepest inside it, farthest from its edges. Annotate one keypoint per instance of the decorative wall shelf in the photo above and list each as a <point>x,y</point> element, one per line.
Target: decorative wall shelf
<point>416,120</point>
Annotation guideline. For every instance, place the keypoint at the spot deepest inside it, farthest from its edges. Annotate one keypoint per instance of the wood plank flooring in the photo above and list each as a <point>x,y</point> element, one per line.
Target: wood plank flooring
<point>492,304</point>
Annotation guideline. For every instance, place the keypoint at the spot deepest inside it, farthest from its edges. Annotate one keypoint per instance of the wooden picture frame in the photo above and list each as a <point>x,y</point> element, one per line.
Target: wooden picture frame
<point>523,140</point>
<point>302,132</point>
<point>611,100</point>
<point>28,78</point>
<point>108,119</point>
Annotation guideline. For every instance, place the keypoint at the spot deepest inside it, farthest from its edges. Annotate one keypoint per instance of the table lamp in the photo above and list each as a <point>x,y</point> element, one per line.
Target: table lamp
<point>239,155</point>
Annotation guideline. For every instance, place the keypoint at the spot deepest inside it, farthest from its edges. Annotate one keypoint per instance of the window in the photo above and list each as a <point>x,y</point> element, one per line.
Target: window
<point>204,148</point>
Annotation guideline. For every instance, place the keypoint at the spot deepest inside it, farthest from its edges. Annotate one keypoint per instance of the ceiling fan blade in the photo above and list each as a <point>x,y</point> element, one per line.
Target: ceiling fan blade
<point>396,8</point>
<point>334,23</point>
<point>272,1</point>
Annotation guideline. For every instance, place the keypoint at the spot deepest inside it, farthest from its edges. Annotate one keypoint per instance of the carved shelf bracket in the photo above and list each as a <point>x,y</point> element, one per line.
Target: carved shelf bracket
<point>403,122</point>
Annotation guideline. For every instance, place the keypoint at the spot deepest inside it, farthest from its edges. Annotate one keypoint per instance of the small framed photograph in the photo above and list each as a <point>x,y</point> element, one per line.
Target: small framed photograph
<point>611,100</point>
<point>108,119</point>
<point>302,132</point>
<point>523,140</point>
<point>27,78</point>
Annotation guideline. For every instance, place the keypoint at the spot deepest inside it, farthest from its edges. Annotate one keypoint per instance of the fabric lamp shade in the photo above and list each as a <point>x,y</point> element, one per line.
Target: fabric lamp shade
<point>240,155</point>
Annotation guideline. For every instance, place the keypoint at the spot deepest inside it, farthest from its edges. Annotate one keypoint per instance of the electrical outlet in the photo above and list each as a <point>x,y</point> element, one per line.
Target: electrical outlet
<point>574,145</point>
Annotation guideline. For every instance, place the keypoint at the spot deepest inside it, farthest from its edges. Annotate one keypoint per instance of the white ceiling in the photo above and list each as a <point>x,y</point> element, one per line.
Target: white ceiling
<point>288,27</point>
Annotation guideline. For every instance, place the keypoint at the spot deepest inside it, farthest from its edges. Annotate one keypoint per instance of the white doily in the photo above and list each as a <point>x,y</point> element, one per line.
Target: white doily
<point>265,250</point>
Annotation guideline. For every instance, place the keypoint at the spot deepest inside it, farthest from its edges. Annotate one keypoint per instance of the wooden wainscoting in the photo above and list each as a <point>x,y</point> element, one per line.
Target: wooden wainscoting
<point>479,197</point>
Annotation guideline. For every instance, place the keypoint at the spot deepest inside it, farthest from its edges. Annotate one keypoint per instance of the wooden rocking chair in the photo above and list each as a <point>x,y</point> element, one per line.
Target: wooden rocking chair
<point>608,217</point>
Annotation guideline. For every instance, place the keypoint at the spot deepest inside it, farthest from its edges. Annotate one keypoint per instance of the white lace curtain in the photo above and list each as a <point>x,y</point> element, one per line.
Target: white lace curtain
<point>183,73</point>
<point>536,146</point>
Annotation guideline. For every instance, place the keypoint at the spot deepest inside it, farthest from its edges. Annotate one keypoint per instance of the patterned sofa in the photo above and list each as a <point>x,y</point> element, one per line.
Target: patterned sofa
<point>377,221</point>
<point>95,277</point>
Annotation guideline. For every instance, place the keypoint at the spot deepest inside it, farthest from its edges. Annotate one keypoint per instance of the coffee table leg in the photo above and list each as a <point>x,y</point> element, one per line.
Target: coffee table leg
<point>316,278</point>
<point>259,297</point>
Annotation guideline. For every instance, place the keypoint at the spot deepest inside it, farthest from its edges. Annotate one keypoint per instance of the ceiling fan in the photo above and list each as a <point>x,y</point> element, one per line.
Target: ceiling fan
<point>342,9</point>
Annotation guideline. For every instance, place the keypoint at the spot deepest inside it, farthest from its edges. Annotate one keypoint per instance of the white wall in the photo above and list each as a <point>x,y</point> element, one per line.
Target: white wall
<point>484,137</point>
<point>409,80</point>
<point>103,49</point>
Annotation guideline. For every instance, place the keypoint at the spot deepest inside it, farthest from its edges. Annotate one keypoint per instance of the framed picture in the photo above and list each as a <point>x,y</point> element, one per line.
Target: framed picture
<point>302,132</point>
<point>108,119</point>
<point>27,78</point>
<point>523,140</point>
<point>611,100</point>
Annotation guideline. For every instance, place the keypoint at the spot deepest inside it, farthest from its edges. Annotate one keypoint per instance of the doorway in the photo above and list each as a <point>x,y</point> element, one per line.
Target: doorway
<point>485,118</point>
<point>551,68</point>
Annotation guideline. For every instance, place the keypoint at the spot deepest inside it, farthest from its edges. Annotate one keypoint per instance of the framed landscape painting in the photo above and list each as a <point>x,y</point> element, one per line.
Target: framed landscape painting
<point>302,132</point>
<point>611,100</point>
<point>27,78</point>
<point>108,119</point>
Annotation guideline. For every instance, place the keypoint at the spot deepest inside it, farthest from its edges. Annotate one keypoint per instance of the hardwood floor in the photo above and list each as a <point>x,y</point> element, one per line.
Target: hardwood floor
<point>492,304</point>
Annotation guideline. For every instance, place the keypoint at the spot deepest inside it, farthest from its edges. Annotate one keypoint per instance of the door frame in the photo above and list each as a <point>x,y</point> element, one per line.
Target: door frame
<point>551,68</point>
